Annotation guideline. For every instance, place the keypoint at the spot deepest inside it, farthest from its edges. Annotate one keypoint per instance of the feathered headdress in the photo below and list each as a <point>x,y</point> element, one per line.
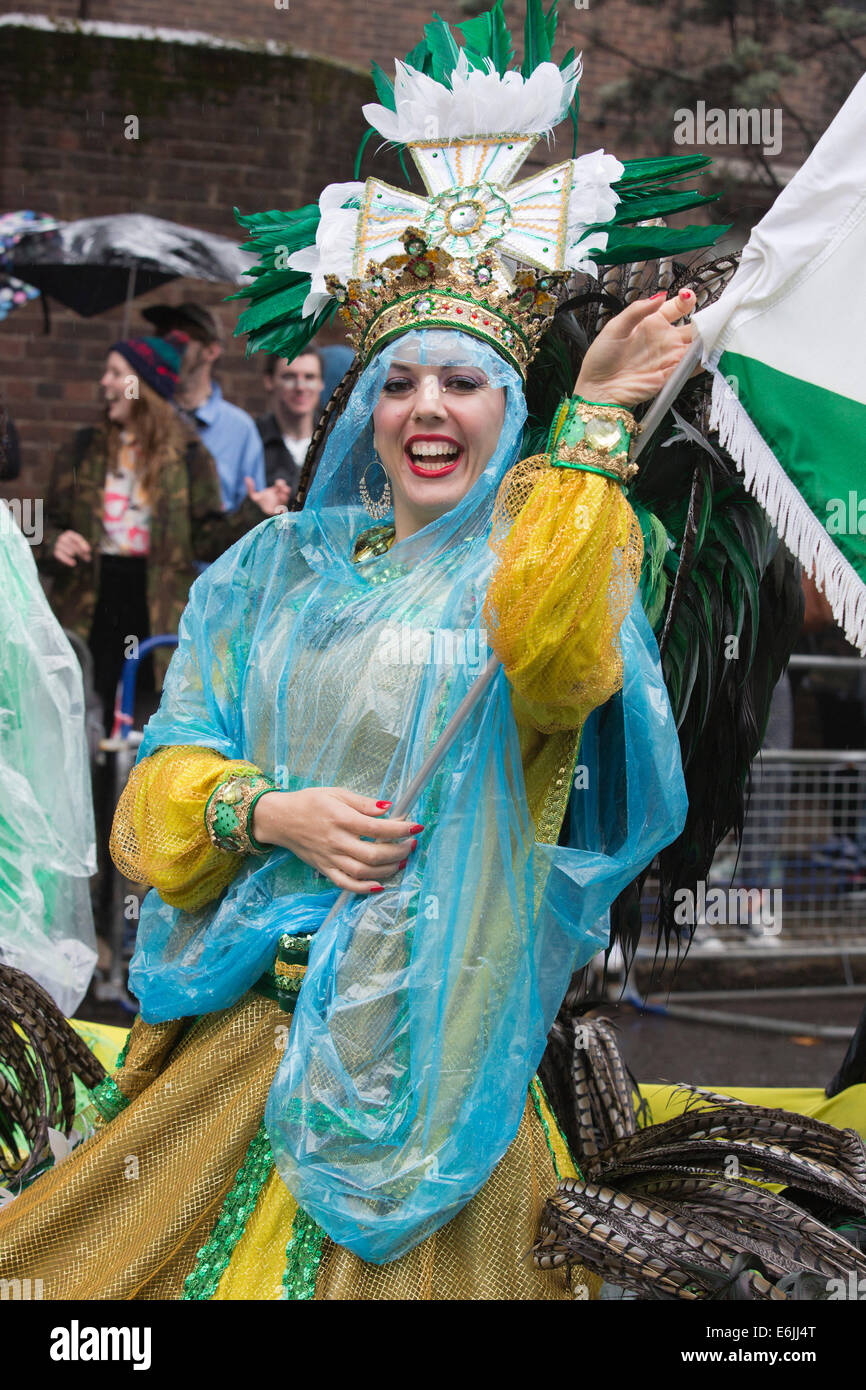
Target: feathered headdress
<point>479,250</point>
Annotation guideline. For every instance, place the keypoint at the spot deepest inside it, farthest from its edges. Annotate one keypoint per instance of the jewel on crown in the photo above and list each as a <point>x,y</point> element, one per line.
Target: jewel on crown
<point>429,287</point>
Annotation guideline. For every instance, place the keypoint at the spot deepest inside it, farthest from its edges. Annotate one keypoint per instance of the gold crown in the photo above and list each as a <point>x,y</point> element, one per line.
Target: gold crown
<point>428,288</point>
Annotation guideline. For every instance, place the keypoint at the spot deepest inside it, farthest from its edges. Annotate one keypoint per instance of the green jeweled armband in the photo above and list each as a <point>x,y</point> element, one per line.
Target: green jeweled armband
<point>229,812</point>
<point>593,437</point>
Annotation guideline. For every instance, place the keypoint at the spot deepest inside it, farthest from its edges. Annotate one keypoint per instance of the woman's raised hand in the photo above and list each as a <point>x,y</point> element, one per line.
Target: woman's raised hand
<point>324,825</point>
<point>271,499</point>
<point>69,545</point>
<point>636,351</point>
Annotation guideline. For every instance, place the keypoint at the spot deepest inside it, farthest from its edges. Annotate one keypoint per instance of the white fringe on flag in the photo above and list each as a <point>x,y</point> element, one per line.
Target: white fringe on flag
<point>793,519</point>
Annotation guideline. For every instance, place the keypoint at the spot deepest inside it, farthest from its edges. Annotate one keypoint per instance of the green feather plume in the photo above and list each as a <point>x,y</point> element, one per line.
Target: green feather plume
<point>273,321</point>
<point>488,36</point>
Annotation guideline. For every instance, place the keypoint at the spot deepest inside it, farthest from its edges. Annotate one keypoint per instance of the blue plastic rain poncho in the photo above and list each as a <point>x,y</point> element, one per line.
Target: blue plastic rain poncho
<point>425,1008</point>
<point>47,838</point>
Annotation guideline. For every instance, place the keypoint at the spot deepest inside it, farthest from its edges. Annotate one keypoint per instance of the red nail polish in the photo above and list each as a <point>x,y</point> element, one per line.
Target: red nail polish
<point>384,805</point>
<point>415,829</point>
<point>403,865</point>
<point>685,294</point>
<point>378,889</point>
<point>414,845</point>
<point>661,295</point>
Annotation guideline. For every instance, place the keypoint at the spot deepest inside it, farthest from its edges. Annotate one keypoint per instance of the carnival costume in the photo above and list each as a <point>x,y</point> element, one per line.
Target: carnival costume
<point>391,1138</point>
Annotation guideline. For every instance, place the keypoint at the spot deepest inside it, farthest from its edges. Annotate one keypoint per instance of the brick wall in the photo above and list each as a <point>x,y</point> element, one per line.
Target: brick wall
<point>353,33</point>
<point>217,128</point>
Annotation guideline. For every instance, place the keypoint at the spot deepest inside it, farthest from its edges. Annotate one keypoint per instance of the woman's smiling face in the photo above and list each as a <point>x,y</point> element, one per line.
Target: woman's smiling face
<point>435,430</point>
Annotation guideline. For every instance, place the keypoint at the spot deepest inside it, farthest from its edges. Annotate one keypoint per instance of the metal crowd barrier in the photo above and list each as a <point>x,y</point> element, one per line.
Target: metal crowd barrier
<point>795,890</point>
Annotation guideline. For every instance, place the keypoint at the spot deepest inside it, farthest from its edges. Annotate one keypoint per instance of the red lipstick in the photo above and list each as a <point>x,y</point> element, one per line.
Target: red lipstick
<point>418,468</point>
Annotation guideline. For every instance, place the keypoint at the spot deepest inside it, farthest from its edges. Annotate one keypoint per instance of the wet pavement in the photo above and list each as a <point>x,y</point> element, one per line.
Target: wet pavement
<point>708,1052</point>
<point>718,1055</point>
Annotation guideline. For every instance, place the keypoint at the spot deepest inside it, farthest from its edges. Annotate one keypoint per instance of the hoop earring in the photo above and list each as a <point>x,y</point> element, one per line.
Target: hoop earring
<point>379,509</point>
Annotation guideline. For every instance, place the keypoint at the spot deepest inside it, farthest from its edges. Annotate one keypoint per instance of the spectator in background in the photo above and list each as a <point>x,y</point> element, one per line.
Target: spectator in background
<point>294,391</point>
<point>288,428</point>
<point>131,505</point>
<point>227,432</point>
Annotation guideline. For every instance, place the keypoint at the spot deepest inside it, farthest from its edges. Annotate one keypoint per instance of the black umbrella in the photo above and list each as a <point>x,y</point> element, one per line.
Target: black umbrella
<point>99,262</point>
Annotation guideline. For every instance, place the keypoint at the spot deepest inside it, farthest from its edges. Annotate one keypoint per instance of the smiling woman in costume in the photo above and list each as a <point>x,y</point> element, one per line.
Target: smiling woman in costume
<point>390,1139</point>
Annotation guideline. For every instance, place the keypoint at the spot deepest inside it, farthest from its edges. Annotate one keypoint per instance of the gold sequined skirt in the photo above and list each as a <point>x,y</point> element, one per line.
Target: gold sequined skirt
<point>125,1215</point>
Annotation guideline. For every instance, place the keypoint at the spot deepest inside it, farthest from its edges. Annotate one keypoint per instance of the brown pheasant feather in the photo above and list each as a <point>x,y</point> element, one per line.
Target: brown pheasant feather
<point>40,1054</point>
<point>673,1210</point>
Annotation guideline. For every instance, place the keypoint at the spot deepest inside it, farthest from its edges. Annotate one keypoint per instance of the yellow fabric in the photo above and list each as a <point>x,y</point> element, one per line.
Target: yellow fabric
<point>478,1255</point>
<point>846,1110</point>
<point>561,1157</point>
<point>258,1261</point>
<point>104,1041</point>
<point>123,1216</point>
<point>482,1254</point>
<point>570,550</point>
<point>159,836</point>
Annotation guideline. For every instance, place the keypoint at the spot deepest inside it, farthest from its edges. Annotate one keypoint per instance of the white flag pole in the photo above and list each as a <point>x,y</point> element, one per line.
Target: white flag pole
<point>667,395</point>
<point>434,757</point>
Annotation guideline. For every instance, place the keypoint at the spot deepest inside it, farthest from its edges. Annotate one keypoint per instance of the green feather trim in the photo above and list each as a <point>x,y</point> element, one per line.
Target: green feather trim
<point>538,34</point>
<point>443,48</point>
<point>653,580</point>
<point>273,319</point>
<point>488,36</point>
<point>550,22</point>
<point>665,168</point>
<point>646,243</point>
<point>420,58</point>
<point>661,205</point>
<point>384,87</point>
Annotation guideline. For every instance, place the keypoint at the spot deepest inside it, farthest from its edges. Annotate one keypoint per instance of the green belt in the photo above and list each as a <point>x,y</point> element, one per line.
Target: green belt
<point>284,979</point>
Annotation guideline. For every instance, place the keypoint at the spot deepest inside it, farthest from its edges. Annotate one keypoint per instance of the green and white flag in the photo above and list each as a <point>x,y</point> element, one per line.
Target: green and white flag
<point>787,345</point>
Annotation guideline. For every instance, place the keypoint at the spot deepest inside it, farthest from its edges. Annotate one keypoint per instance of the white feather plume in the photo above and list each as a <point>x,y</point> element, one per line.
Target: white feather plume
<point>592,200</point>
<point>334,248</point>
<point>478,102</point>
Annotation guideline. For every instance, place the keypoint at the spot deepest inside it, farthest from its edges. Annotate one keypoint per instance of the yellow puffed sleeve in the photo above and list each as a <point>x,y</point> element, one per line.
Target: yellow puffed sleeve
<point>570,549</point>
<point>159,836</point>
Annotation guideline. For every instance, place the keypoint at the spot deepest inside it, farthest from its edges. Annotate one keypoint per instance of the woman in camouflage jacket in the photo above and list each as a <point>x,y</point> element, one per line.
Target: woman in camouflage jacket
<point>176,483</point>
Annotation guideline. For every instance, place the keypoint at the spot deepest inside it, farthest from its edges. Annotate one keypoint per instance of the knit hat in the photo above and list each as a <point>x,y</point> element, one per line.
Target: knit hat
<point>156,360</point>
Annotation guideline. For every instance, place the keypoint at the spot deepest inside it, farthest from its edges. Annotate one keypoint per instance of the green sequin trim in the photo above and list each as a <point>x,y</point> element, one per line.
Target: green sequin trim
<point>566,419</point>
<point>106,1095</point>
<point>123,1053</point>
<point>108,1098</point>
<point>537,1091</point>
<point>212,1259</point>
<point>303,1257</point>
